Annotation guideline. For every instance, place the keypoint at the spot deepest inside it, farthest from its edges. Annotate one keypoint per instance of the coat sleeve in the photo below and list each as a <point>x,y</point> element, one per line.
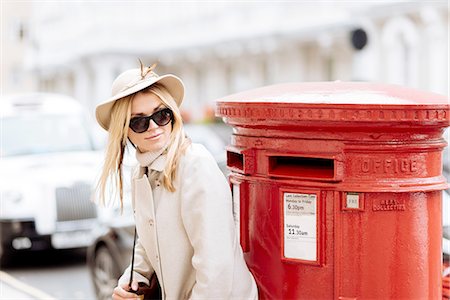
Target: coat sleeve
<point>207,216</point>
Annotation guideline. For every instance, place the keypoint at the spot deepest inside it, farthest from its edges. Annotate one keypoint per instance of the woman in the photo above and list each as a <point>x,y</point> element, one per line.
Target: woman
<point>181,200</point>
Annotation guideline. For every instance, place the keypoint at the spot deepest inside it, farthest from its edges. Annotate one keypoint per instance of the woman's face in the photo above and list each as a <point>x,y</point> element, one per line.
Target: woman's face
<point>155,137</point>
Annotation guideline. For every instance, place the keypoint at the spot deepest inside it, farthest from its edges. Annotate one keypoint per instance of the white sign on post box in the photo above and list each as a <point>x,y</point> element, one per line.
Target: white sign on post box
<point>300,226</point>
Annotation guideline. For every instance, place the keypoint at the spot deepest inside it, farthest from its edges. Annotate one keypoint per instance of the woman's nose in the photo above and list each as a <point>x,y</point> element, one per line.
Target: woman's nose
<point>152,124</point>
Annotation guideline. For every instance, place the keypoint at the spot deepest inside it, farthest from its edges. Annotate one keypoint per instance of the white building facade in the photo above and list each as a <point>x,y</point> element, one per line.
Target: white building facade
<point>219,48</point>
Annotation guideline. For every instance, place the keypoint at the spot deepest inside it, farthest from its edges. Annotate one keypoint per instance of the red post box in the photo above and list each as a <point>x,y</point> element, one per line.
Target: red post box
<point>338,189</point>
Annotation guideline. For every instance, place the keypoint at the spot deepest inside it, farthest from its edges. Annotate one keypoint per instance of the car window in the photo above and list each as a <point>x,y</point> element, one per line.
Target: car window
<point>37,133</point>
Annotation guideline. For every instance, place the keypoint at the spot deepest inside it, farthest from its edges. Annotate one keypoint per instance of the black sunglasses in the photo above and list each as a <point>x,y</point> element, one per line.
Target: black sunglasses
<point>161,118</point>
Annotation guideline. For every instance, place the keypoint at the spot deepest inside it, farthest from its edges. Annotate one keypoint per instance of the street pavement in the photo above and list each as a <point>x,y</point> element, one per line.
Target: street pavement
<point>13,289</point>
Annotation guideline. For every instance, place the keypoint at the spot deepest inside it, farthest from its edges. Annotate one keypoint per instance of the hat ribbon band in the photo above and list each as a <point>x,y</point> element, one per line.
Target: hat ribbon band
<point>136,82</point>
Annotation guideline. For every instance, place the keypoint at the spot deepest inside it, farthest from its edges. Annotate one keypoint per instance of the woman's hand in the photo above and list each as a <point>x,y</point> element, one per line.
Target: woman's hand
<point>121,292</point>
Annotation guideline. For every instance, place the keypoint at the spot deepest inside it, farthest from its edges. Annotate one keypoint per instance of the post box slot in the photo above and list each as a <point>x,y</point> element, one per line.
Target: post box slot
<point>301,167</point>
<point>235,160</point>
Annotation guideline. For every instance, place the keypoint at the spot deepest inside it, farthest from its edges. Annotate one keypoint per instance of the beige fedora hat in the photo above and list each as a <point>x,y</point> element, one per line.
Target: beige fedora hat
<point>133,81</point>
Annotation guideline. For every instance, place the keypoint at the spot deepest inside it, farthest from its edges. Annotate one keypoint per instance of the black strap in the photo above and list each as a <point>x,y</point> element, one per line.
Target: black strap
<point>134,246</point>
<point>132,257</point>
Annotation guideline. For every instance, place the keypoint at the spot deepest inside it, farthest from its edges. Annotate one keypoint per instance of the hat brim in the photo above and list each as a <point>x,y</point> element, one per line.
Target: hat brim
<point>172,83</point>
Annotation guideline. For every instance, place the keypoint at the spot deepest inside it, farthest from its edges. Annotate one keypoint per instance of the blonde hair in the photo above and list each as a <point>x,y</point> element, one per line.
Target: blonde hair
<point>118,137</point>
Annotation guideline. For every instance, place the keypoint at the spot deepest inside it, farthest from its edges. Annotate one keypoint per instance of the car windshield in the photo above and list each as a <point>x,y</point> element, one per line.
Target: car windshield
<point>37,133</point>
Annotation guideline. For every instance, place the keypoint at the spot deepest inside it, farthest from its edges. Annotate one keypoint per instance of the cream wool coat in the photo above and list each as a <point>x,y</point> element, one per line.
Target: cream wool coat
<point>188,237</point>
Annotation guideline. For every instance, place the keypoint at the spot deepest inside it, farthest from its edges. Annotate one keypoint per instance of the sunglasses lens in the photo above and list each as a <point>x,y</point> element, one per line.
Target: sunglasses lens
<point>162,117</point>
<point>139,124</point>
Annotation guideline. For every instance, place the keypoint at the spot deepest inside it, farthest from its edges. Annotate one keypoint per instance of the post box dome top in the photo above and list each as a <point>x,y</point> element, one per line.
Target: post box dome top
<point>338,93</point>
<point>336,102</point>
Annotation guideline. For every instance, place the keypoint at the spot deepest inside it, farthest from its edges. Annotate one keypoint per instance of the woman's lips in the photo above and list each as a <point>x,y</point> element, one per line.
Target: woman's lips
<point>153,137</point>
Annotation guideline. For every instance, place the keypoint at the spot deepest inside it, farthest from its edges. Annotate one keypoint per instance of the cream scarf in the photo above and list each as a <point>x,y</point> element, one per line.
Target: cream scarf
<point>145,159</point>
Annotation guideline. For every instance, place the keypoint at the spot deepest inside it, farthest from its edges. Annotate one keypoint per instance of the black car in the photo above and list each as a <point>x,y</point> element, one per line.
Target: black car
<point>108,257</point>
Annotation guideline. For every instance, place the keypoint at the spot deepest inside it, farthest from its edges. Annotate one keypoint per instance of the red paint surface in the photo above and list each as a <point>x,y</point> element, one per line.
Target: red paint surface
<point>307,138</point>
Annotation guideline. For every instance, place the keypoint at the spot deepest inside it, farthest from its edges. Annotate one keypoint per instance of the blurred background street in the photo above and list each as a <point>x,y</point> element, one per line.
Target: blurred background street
<point>61,274</point>
<point>219,47</point>
<point>73,50</point>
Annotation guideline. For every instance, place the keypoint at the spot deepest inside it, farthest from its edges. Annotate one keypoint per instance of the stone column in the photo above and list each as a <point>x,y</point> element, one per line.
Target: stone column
<point>436,57</point>
<point>103,74</point>
<point>214,84</point>
<point>401,49</point>
<point>82,86</point>
<point>191,104</point>
<point>287,64</point>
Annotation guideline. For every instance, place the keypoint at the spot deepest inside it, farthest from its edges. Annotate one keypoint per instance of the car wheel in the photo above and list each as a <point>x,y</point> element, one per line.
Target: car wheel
<point>105,273</point>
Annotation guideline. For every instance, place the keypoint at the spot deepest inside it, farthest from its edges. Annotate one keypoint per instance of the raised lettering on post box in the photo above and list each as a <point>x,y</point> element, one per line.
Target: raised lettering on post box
<point>300,226</point>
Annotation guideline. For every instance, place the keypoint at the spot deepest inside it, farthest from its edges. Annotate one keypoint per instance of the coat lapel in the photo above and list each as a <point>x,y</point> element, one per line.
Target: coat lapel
<point>145,219</point>
<point>143,197</point>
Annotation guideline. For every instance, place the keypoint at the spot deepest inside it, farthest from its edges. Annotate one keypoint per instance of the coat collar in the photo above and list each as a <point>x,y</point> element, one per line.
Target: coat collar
<point>157,165</point>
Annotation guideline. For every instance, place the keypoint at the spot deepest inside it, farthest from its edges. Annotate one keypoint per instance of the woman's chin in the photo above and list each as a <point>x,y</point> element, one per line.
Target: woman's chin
<point>151,146</point>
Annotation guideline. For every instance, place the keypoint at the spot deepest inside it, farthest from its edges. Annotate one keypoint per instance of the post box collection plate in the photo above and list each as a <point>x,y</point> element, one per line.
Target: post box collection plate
<point>300,226</point>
